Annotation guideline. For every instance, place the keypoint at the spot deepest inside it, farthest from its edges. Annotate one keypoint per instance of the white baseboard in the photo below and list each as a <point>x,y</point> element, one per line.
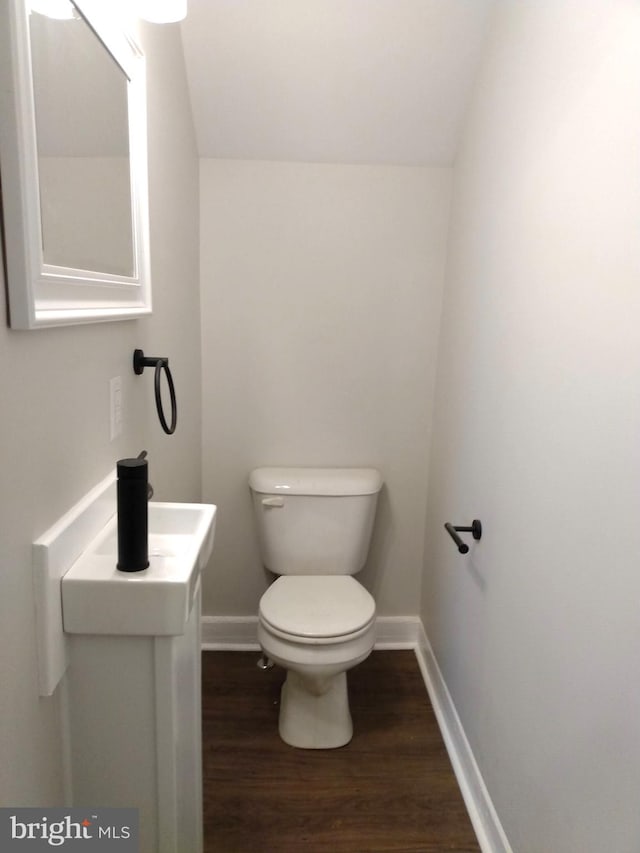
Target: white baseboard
<point>230,633</point>
<point>239,633</point>
<point>485,820</point>
<point>397,632</point>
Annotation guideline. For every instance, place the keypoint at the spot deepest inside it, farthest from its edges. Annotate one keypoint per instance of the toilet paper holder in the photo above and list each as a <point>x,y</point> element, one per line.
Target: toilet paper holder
<point>453,530</point>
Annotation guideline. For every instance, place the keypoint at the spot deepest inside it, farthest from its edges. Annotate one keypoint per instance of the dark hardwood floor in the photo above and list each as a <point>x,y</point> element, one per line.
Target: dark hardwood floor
<point>391,789</point>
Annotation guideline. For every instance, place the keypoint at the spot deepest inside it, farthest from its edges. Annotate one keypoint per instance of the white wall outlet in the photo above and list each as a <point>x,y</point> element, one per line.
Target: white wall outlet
<point>115,407</point>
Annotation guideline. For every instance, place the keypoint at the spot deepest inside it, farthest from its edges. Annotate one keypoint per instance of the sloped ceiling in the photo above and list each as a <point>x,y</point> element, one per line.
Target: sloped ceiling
<point>342,81</point>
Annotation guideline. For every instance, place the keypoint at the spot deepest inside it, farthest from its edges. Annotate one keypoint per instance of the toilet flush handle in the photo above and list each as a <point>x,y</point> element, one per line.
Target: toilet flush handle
<point>273,501</point>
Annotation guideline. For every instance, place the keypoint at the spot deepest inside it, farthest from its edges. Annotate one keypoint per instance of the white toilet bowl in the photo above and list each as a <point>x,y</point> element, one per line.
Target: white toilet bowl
<point>317,628</point>
<point>314,527</point>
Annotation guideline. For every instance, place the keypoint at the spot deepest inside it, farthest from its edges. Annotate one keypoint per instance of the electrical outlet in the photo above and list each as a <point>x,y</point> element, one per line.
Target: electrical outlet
<point>115,407</point>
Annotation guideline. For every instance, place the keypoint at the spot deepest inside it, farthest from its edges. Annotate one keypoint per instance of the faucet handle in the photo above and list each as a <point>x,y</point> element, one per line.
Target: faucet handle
<point>143,455</point>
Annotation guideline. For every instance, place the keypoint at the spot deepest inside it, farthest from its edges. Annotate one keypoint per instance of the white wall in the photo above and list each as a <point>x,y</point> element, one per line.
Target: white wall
<point>54,428</point>
<point>537,427</point>
<point>321,293</point>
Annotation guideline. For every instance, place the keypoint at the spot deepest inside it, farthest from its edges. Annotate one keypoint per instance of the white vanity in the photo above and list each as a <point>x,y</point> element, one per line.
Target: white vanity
<point>124,650</point>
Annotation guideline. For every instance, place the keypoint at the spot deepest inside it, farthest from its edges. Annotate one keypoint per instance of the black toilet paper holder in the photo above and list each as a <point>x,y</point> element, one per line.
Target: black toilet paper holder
<point>453,530</point>
<point>140,361</point>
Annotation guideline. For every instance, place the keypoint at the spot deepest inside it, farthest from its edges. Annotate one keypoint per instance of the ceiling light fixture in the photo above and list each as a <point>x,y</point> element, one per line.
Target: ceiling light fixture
<point>162,11</point>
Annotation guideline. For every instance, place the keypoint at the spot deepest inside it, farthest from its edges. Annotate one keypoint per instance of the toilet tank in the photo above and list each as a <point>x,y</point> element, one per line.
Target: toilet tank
<point>314,521</point>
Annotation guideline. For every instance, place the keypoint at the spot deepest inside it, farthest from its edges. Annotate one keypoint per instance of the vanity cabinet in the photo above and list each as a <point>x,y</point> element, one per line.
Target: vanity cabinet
<point>135,722</point>
<point>122,652</point>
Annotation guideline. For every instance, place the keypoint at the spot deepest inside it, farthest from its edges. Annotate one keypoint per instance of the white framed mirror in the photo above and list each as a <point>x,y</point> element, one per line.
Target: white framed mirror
<point>73,165</point>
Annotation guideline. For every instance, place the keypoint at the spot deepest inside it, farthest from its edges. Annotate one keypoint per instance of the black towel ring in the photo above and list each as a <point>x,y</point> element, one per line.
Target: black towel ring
<point>140,361</point>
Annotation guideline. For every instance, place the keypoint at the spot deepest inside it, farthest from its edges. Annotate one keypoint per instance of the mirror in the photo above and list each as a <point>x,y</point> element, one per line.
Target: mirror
<point>73,166</point>
<point>82,136</point>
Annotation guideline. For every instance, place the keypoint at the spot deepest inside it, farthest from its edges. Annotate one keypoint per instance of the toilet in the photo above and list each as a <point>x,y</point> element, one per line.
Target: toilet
<point>315,620</point>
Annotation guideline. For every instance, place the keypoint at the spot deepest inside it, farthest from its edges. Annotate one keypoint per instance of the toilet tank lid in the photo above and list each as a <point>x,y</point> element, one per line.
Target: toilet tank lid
<point>316,481</point>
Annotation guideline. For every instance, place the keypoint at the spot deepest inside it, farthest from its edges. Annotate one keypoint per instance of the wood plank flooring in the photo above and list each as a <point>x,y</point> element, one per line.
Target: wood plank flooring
<point>391,789</point>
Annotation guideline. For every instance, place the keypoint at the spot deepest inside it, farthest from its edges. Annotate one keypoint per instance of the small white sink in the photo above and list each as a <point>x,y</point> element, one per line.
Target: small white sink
<point>99,599</point>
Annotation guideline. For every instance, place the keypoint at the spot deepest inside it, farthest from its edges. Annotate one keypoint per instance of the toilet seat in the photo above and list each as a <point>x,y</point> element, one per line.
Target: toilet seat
<point>317,609</point>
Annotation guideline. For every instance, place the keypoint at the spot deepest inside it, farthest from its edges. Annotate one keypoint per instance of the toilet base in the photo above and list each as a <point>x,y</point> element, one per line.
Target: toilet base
<point>314,713</point>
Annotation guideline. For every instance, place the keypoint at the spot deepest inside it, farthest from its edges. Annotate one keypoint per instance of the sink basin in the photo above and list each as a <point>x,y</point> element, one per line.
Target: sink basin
<point>98,599</point>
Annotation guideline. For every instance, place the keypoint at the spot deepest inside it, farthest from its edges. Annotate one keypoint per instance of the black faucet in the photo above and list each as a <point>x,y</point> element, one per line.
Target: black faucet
<point>133,513</point>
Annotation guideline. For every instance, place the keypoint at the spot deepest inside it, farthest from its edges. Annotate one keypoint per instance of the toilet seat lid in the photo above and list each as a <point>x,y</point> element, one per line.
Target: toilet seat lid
<point>317,605</point>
